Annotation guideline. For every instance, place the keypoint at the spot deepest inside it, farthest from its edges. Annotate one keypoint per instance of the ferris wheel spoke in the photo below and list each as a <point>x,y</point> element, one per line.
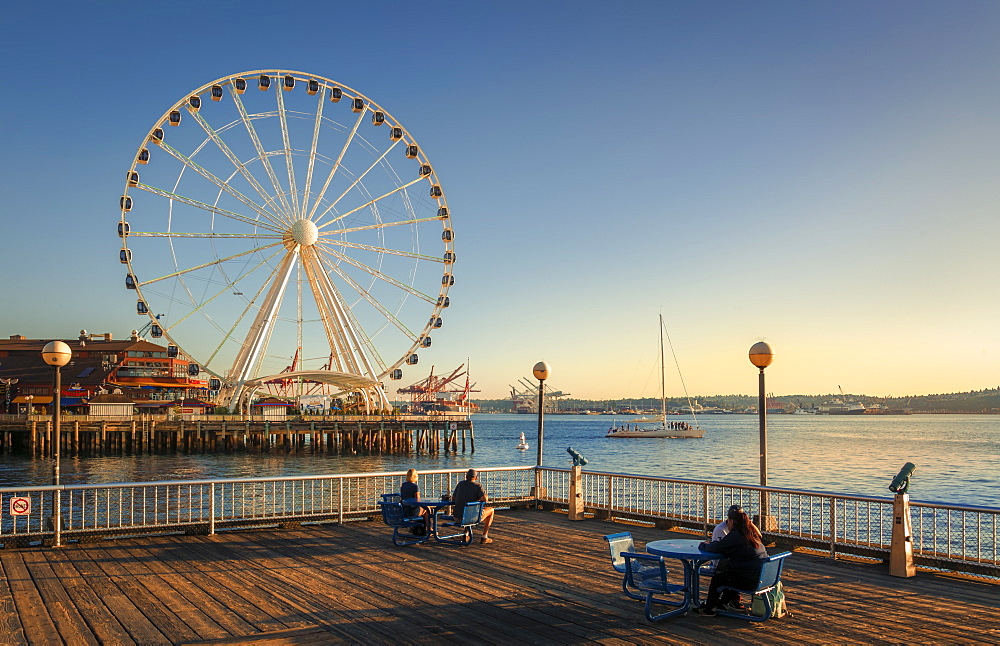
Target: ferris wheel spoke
<point>200,304</point>
<point>206,265</point>
<point>374,303</point>
<point>336,165</point>
<point>358,179</point>
<point>312,149</point>
<point>201,170</point>
<point>228,335</point>
<point>347,337</point>
<point>233,159</point>
<point>370,202</point>
<point>261,154</point>
<point>270,225</point>
<point>392,252</point>
<point>377,274</point>
<point>204,236</point>
<point>289,162</point>
<point>381,225</point>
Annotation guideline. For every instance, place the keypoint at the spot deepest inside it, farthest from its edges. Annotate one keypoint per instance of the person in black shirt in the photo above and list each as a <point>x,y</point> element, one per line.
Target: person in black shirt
<point>743,549</point>
<point>469,490</point>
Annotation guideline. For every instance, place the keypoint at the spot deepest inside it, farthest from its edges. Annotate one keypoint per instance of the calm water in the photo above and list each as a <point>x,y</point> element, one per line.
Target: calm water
<point>957,456</point>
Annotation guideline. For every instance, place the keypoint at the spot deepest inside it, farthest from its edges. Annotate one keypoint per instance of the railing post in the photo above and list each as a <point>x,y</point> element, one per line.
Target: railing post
<point>340,502</point>
<point>610,496</point>
<point>833,527</point>
<point>211,509</point>
<point>704,515</point>
<point>57,516</point>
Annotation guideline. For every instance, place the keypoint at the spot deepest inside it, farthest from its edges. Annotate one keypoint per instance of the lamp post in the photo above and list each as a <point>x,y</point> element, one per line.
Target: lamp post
<point>761,356</point>
<point>27,411</point>
<point>541,372</point>
<point>56,354</point>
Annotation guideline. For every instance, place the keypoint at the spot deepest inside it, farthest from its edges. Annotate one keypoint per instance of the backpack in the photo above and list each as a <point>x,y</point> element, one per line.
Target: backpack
<point>777,597</point>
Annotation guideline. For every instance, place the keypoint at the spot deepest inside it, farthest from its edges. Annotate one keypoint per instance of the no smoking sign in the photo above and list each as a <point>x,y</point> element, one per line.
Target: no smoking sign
<point>20,506</point>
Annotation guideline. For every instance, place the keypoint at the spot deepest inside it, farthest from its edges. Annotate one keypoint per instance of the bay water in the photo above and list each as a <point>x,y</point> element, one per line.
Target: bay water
<point>957,457</point>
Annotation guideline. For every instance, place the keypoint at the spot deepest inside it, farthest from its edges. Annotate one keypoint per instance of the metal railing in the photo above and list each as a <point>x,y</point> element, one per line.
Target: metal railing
<point>207,505</point>
<point>946,536</point>
<point>955,537</point>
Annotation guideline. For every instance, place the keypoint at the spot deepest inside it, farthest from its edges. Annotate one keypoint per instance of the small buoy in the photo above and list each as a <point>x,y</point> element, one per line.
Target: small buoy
<point>522,445</point>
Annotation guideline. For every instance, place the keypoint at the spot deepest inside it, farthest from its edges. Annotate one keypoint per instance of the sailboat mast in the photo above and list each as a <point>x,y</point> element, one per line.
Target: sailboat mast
<point>663,378</point>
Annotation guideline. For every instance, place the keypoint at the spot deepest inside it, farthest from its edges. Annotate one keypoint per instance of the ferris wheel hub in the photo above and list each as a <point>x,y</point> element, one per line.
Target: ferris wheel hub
<point>304,232</point>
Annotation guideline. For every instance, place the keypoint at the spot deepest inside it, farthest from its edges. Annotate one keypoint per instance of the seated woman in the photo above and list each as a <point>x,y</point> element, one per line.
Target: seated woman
<point>409,489</point>
<point>744,549</point>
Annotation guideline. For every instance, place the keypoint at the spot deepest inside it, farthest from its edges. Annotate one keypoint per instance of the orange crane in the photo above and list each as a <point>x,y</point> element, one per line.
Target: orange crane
<point>435,390</point>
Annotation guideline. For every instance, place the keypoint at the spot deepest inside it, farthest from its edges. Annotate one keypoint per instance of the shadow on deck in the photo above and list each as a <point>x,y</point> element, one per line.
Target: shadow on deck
<point>543,580</point>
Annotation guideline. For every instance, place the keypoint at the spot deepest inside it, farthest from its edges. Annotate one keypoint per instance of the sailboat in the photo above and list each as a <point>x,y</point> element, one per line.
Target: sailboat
<point>662,427</point>
<point>522,444</point>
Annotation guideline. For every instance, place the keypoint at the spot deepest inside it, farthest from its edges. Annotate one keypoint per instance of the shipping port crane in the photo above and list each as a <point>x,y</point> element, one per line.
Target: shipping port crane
<point>524,397</point>
<point>441,393</point>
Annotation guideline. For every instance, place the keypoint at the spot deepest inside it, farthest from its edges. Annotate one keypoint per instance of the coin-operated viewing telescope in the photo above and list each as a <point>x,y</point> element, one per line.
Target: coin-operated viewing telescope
<point>576,502</point>
<point>901,482</point>
<point>901,551</point>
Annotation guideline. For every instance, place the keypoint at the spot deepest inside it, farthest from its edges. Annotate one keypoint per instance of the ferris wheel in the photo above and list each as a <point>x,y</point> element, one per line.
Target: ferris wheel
<point>279,223</point>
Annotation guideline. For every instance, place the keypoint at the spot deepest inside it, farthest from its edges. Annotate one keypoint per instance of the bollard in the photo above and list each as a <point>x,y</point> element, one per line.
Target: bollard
<point>576,485</point>
<point>576,493</point>
<point>901,554</point>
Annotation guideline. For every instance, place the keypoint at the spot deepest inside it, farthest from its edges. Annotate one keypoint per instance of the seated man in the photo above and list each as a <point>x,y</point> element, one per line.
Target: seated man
<point>469,490</point>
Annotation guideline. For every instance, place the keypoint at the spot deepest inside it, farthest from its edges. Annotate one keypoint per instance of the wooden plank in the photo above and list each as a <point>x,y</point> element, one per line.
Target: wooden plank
<point>179,603</point>
<point>397,589</point>
<point>176,573</point>
<point>30,608</point>
<point>271,584</point>
<point>152,604</point>
<point>289,636</point>
<point>11,630</point>
<point>70,624</point>
<point>232,581</point>
<point>258,584</point>
<point>99,617</point>
<point>538,618</point>
<point>125,610</point>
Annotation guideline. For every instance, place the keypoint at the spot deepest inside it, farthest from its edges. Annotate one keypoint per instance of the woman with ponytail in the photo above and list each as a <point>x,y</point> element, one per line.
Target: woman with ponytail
<point>743,549</point>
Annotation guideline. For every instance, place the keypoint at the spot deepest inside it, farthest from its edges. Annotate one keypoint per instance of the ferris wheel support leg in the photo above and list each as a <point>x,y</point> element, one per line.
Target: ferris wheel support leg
<point>256,342</point>
<point>345,342</point>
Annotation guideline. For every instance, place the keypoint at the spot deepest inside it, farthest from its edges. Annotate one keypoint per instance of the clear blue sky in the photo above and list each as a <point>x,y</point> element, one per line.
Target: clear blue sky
<point>822,175</point>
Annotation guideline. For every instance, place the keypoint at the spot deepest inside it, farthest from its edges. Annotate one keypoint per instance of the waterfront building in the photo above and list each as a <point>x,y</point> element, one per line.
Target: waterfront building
<point>132,369</point>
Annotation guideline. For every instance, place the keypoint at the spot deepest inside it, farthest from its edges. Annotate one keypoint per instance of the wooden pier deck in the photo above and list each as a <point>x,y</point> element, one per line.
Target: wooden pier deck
<point>544,580</point>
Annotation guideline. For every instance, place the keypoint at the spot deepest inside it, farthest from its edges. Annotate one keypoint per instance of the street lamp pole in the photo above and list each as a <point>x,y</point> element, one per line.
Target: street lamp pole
<point>56,354</point>
<point>761,356</point>
<point>541,372</point>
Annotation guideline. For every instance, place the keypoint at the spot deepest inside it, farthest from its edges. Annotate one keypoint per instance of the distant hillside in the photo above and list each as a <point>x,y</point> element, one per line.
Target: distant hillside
<point>976,401</point>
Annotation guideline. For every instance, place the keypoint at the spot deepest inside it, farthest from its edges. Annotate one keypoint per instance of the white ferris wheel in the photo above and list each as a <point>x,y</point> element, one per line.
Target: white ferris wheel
<point>278,226</point>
